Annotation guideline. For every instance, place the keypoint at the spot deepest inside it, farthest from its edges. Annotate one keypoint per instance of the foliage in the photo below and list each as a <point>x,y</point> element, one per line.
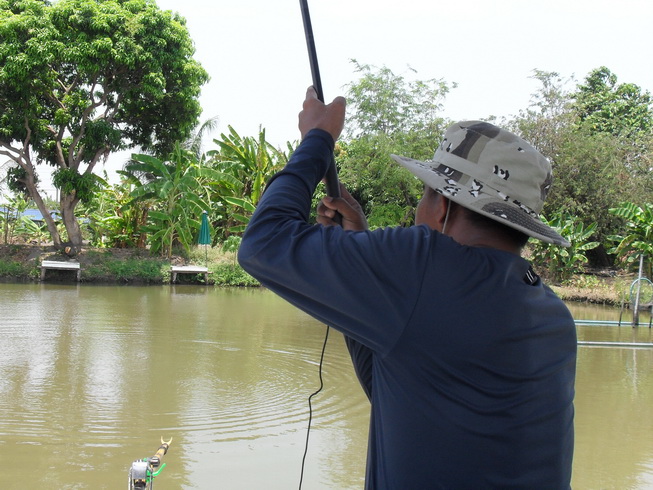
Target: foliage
<point>113,223</point>
<point>9,218</point>
<point>162,198</point>
<point>549,119</point>
<point>585,281</point>
<point>70,181</point>
<point>242,219</point>
<point>82,78</point>
<point>109,266</point>
<point>232,244</point>
<point>590,288</point>
<point>388,114</point>
<point>31,230</point>
<point>376,181</point>
<point>563,262</point>
<point>179,191</point>
<point>130,269</point>
<point>13,269</point>
<point>232,275</point>
<point>382,102</point>
<point>588,176</point>
<point>639,238</point>
<point>592,169</point>
<point>619,109</point>
<point>251,162</point>
<point>16,178</point>
<point>389,214</point>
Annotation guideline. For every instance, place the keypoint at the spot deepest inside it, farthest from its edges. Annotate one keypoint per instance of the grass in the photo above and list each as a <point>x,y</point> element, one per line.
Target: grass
<point>12,269</point>
<point>589,288</point>
<point>125,271</point>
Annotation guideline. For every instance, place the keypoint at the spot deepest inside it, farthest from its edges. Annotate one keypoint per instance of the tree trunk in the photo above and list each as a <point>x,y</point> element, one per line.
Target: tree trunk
<point>47,217</point>
<point>68,203</point>
<point>142,237</point>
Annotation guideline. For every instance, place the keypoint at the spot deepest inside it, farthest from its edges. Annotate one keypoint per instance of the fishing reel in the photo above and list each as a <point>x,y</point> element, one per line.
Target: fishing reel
<point>143,471</point>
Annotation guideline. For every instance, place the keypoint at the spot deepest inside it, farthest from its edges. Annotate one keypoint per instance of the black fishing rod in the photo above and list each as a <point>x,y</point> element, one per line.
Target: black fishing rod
<point>331,177</point>
<point>332,189</point>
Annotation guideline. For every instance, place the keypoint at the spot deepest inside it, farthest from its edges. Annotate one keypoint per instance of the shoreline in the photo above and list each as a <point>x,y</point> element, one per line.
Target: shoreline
<point>120,266</point>
<point>21,263</point>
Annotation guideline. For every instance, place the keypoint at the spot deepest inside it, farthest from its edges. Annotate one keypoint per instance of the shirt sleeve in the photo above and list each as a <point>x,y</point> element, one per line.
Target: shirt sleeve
<point>361,283</point>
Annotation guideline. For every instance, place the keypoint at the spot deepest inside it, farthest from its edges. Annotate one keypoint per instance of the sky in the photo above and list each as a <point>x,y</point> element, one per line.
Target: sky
<point>255,52</point>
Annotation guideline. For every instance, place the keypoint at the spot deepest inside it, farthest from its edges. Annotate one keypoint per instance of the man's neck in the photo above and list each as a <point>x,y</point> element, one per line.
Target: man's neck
<point>469,235</point>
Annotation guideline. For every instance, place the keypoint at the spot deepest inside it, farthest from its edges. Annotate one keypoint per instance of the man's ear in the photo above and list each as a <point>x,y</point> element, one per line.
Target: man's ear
<point>441,209</point>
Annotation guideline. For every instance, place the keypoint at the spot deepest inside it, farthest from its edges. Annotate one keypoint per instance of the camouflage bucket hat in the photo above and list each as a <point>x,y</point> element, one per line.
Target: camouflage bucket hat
<point>492,172</point>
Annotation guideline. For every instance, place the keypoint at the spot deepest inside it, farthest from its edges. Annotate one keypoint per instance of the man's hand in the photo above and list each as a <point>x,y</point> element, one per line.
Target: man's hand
<point>353,218</point>
<point>315,114</point>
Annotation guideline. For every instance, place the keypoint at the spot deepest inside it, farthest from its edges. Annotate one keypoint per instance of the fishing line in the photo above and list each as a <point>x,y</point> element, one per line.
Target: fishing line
<point>446,218</point>
<point>310,407</point>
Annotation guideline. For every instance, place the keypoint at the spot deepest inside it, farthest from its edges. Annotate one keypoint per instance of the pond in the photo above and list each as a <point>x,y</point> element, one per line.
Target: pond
<point>91,378</point>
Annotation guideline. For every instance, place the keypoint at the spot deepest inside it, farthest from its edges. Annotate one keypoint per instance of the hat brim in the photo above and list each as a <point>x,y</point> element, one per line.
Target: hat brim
<point>483,200</point>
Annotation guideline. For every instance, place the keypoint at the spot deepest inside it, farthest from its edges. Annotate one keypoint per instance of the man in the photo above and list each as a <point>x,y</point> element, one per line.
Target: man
<point>467,358</point>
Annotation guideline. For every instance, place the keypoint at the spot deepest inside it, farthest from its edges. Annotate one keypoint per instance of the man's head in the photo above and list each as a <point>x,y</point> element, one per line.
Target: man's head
<point>492,172</point>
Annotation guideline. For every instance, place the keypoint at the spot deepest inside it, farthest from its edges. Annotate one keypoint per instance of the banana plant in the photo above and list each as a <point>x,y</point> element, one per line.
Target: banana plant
<point>111,223</point>
<point>32,230</point>
<point>563,262</point>
<point>180,188</point>
<point>638,239</point>
<point>251,160</point>
<point>11,211</point>
<point>241,217</point>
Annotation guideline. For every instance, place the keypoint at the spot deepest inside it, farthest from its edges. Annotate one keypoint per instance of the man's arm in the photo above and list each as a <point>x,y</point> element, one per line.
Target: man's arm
<point>339,277</point>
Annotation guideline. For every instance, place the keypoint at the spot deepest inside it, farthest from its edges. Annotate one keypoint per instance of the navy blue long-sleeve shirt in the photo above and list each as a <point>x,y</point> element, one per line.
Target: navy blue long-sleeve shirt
<point>469,366</point>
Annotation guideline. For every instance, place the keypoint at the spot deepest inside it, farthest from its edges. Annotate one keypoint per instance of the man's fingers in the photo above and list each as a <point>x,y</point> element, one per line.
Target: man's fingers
<point>311,93</point>
<point>323,209</point>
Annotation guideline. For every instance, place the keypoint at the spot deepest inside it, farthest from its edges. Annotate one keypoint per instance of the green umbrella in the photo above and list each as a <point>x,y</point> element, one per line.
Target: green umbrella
<point>205,236</point>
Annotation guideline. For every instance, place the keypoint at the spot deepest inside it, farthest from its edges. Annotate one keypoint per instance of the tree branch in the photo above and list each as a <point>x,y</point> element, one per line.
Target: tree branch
<point>74,157</point>
<point>102,152</point>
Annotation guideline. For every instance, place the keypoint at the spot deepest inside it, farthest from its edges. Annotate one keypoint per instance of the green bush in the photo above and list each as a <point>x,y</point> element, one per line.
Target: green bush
<point>232,275</point>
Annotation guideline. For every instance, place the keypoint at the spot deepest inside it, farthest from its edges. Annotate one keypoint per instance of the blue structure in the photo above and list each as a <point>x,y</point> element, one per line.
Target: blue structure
<point>33,214</point>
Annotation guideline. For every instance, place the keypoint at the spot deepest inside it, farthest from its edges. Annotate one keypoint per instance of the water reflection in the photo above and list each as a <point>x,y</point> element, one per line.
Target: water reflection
<point>91,377</point>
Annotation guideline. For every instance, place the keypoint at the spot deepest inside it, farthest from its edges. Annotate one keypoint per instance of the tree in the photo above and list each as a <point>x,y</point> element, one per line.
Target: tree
<point>623,110</point>
<point>592,169</point>
<point>82,78</point>
<point>550,117</point>
<point>388,114</point>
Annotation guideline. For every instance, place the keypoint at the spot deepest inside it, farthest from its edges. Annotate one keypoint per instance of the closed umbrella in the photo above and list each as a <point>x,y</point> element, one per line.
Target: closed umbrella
<point>205,236</point>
